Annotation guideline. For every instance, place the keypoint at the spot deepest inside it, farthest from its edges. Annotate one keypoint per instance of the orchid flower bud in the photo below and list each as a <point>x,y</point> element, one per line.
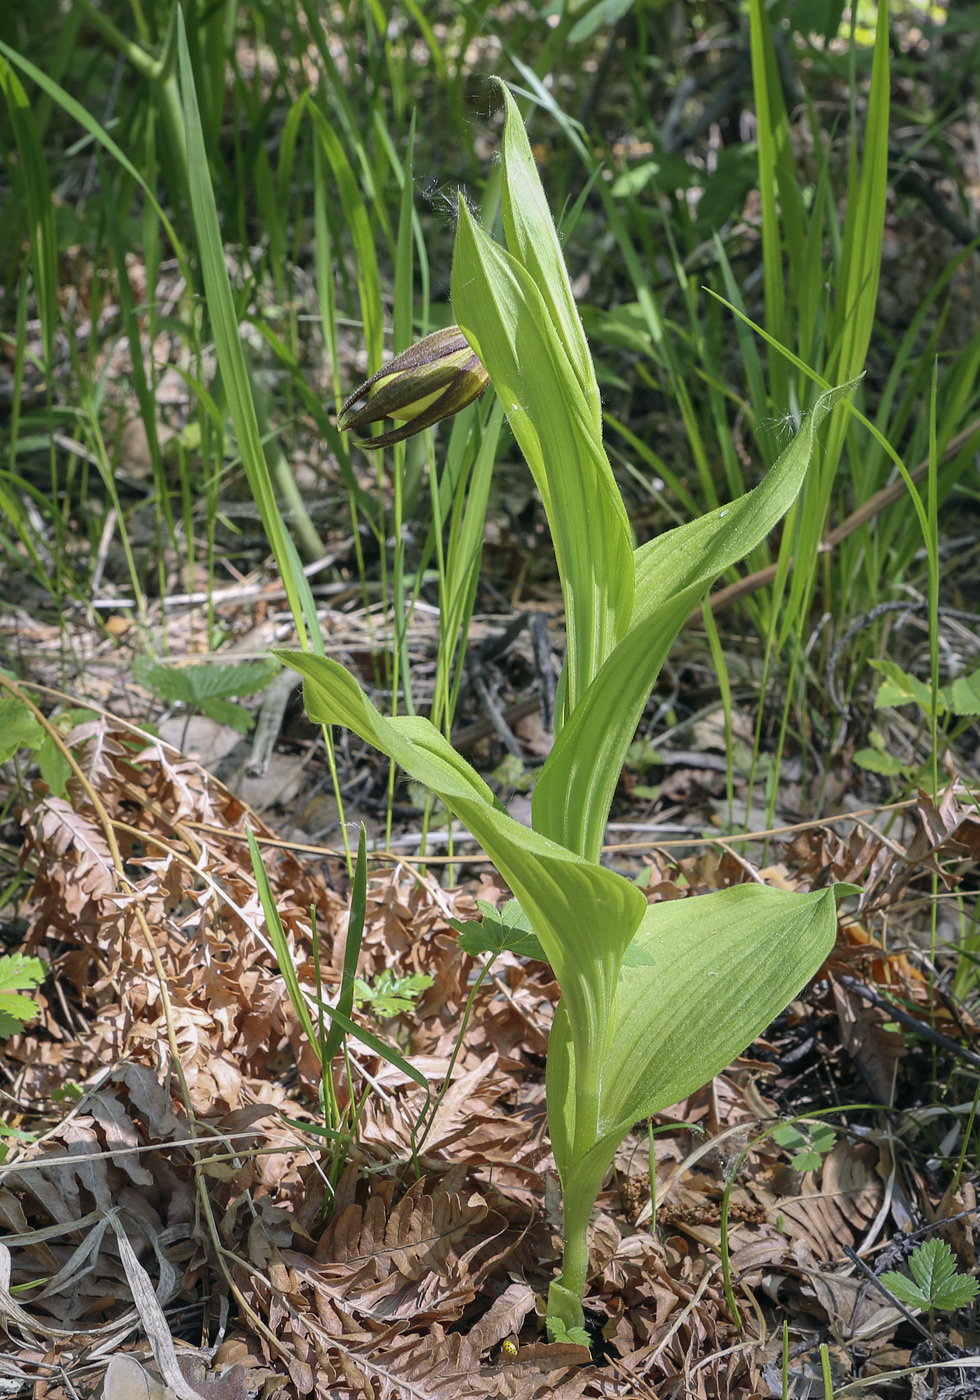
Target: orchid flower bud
<point>431,380</point>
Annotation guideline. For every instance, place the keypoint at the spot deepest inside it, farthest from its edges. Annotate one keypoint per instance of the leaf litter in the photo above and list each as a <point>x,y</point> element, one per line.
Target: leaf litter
<point>172,1230</point>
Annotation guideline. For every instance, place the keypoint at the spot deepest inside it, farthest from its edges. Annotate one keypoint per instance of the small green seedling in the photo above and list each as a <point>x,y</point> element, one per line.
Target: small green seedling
<point>558,1332</point>
<point>390,995</point>
<point>810,1147</point>
<point>511,773</point>
<point>70,1093</point>
<point>207,688</point>
<point>506,930</point>
<point>21,729</point>
<point>960,698</point>
<point>958,704</point>
<point>18,974</point>
<point>936,1286</point>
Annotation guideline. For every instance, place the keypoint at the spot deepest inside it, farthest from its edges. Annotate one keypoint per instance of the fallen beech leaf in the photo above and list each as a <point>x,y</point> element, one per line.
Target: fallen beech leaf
<point>228,1383</point>
<point>504,1317</point>
<point>125,1379</point>
<point>541,1358</point>
<point>958,1232</point>
<point>867,1040</point>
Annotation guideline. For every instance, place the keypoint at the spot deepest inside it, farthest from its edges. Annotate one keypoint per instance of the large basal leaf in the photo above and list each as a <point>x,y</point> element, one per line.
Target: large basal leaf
<point>583,915</point>
<point>575,789</point>
<point>701,978</point>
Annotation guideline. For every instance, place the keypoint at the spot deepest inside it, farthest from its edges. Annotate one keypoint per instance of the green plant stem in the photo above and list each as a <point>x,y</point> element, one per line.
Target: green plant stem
<point>328,1091</point>
<point>726,1257</point>
<point>580,1188</point>
<point>484,974</point>
<point>967,1135</point>
<point>281,473</point>
<point>785,1360</point>
<point>652,1161</point>
<point>566,1292</point>
<point>828,1376</point>
<point>162,73</point>
<point>147,66</point>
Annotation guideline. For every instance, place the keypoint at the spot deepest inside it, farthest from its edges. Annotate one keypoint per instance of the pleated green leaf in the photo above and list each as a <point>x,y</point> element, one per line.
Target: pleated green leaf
<point>575,789</point>
<point>503,314</point>
<point>533,240</point>
<point>701,979</point>
<point>584,915</point>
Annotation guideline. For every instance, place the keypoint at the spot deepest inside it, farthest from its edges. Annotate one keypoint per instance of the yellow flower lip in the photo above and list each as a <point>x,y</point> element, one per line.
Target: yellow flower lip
<point>431,380</point>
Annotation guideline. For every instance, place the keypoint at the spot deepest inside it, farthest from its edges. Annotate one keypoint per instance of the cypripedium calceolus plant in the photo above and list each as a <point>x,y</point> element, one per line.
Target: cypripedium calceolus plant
<point>656,999</point>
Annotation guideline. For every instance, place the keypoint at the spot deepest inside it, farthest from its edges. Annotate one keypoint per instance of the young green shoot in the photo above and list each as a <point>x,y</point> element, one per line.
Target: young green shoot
<point>936,1285</point>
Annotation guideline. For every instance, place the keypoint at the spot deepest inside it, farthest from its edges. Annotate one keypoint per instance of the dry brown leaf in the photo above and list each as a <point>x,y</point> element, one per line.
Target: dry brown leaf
<point>220,1382</point>
<point>866,1038</point>
<point>940,828</point>
<point>125,1379</point>
<point>532,1373</point>
<point>851,1178</point>
<point>504,1318</point>
<point>400,1258</point>
<point>438,1366</point>
<point>854,1308</point>
<point>958,1209</point>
